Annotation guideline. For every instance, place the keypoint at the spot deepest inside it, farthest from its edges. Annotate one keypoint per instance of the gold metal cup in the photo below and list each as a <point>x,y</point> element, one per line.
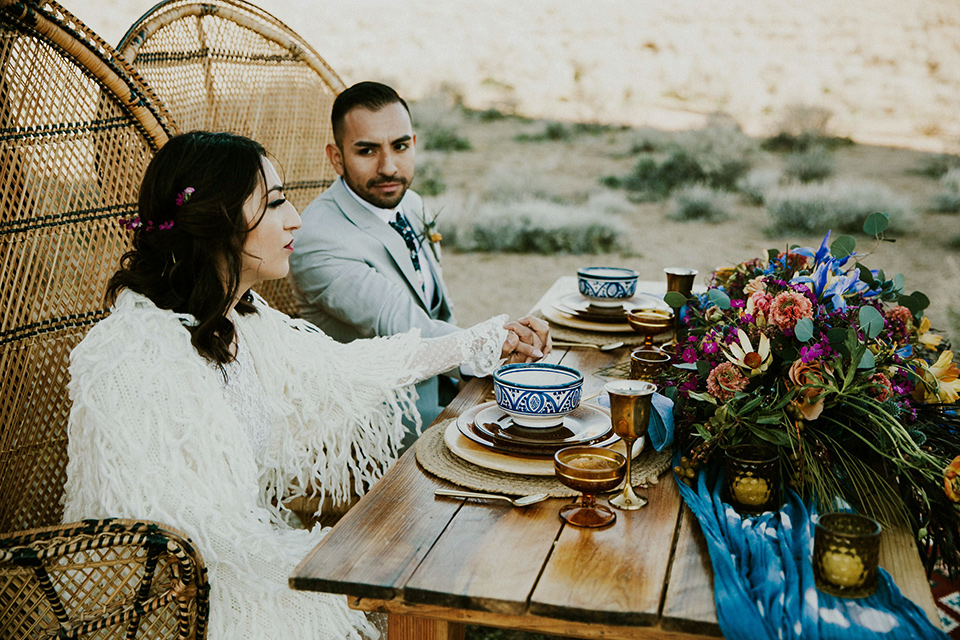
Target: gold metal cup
<point>630,403</point>
<point>680,279</point>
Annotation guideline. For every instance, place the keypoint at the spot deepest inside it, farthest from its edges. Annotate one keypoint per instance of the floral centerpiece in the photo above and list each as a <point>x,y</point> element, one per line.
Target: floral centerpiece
<point>835,366</point>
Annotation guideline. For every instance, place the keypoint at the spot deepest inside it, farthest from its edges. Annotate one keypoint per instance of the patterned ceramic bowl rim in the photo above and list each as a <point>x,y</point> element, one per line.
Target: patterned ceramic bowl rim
<point>577,378</point>
<point>626,274</point>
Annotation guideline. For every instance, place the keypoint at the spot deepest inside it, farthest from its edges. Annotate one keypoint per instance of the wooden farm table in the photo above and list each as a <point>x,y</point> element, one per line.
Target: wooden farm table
<point>435,564</point>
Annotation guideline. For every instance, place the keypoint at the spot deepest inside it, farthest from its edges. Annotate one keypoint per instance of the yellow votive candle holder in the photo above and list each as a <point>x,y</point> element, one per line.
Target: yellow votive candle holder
<point>752,479</point>
<point>846,553</point>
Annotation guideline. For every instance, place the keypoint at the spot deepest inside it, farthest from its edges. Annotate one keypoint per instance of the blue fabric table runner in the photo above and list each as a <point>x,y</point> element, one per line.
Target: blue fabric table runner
<point>763,578</point>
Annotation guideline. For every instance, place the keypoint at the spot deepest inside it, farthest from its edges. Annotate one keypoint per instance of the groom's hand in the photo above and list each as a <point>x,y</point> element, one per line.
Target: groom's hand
<point>528,340</point>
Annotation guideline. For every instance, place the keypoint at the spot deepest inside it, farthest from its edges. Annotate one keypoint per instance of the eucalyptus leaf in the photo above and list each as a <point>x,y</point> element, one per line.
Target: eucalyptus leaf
<point>804,329</point>
<point>675,299</point>
<point>669,392</point>
<point>876,223</point>
<point>871,321</point>
<point>703,368</point>
<point>910,303</point>
<point>899,282</point>
<point>836,335</point>
<point>867,361</point>
<point>689,366</point>
<point>843,246</point>
<point>866,275</point>
<point>921,299</point>
<point>719,298</point>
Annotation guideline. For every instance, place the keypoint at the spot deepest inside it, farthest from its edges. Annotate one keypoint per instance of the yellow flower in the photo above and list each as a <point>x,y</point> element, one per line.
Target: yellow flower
<point>435,237</point>
<point>940,383</point>
<point>743,355</point>
<point>929,340</point>
<point>951,483</point>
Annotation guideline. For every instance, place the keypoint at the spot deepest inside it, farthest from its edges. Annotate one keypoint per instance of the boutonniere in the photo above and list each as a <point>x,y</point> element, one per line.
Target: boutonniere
<point>430,234</point>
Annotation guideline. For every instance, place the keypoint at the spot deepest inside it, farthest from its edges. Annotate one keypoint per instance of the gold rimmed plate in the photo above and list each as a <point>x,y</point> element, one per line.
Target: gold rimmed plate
<point>588,425</point>
<point>579,307</point>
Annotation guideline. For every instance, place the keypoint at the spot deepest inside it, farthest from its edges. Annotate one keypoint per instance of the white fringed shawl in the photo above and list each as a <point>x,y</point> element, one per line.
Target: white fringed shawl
<point>151,436</point>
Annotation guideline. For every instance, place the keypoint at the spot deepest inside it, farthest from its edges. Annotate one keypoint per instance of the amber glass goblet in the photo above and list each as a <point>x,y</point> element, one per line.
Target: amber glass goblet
<point>650,322</point>
<point>630,415</point>
<point>646,364</point>
<point>589,470</point>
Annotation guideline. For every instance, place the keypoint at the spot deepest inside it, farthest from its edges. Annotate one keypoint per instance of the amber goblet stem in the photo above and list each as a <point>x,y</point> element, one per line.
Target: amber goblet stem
<point>630,403</point>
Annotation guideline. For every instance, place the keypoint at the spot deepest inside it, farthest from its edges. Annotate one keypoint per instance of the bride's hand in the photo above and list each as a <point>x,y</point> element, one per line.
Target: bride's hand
<point>528,340</point>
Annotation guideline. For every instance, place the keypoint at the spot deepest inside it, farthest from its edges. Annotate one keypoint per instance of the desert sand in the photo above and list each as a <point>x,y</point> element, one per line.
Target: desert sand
<point>888,71</point>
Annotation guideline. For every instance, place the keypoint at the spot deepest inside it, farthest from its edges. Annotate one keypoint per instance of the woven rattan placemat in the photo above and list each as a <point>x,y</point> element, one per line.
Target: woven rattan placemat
<point>434,457</point>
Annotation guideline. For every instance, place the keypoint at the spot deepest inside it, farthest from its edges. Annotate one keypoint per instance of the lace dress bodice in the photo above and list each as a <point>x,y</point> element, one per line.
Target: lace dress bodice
<point>246,396</point>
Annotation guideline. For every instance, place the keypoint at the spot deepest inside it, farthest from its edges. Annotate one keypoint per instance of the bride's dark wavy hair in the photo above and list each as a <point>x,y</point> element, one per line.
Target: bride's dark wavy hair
<point>194,265</point>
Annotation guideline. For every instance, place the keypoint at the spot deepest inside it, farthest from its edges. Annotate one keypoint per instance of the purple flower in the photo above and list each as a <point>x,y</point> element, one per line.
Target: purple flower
<point>689,355</point>
<point>710,347</point>
<point>737,304</point>
<point>809,354</point>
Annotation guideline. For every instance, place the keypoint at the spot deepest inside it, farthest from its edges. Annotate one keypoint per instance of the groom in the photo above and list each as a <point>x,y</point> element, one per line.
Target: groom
<point>364,264</point>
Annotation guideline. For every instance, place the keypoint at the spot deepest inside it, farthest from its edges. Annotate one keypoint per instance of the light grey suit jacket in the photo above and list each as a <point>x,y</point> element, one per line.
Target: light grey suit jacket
<point>355,278</point>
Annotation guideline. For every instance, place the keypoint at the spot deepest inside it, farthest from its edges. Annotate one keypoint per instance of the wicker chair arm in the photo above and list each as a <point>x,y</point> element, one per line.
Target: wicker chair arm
<point>108,578</point>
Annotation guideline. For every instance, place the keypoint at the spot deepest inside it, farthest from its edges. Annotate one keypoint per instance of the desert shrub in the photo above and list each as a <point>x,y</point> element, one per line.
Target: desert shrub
<point>803,127</point>
<point>938,165</point>
<point>948,199</point>
<point>437,120</point>
<point>649,140</point>
<point>551,132</point>
<point>814,164</point>
<point>757,183</point>
<point>699,203</point>
<point>429,179</point>
<point>532,226</point>
<point>838,205</point>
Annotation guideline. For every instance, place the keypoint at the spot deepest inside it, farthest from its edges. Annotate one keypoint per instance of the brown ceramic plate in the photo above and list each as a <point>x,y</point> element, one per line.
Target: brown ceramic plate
<point>588,426</point>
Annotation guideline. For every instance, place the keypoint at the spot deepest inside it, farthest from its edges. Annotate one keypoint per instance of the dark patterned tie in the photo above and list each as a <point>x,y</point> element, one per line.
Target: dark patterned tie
<point>402,227</point>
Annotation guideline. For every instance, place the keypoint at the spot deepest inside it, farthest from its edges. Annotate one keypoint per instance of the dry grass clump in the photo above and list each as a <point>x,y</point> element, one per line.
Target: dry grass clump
<point>814,164</point>
<point>840,205</point>
<point>528,226</point>
<point>802,128</point>
<point>717,156</point>
<point>948,199</point>
<point>757,183</point>
<point>438,121</point>
<point>937,165</point>
<point>700,203</point>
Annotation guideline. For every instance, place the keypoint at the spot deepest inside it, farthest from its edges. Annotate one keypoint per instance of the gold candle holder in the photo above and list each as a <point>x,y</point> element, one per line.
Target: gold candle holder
<point>646,364</point>
<point>846,553</point>
<point>752,479</point>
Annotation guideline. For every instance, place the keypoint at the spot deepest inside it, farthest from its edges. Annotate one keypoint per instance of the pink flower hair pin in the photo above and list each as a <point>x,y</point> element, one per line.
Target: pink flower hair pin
<point>136,223</point>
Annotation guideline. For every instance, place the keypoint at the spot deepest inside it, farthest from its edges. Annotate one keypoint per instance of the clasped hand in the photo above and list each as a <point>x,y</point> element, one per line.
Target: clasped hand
<point>528,340</point>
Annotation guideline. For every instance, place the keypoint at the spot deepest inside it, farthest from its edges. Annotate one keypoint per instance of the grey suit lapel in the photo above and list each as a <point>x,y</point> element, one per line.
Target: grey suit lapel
<point>390,239</point>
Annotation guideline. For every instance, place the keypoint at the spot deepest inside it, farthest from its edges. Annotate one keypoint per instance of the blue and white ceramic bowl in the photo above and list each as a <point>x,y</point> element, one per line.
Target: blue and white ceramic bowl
<point>537,395</point>
<point>607,286</point>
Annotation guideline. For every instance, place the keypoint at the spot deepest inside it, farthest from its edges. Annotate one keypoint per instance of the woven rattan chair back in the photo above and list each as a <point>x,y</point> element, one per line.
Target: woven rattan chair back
<point>225,65</point>
<point>77,129</point>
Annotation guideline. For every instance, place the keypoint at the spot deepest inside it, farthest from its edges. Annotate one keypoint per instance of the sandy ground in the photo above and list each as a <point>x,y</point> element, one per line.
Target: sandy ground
<point>888,71</point>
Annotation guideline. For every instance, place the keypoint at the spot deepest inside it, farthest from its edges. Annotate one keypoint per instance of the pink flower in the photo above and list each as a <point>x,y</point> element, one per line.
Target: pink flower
<point>724,381</point>
<point>755,285</point>
<point>885,391</point>
<point>787,308</point>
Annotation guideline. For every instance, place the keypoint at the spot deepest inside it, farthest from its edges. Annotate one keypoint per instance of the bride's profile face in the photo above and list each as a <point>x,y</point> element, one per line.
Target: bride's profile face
<point>271,220</point>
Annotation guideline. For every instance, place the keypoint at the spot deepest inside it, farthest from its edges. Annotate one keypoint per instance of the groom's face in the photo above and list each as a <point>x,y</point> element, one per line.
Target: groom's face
<point>376,154</point>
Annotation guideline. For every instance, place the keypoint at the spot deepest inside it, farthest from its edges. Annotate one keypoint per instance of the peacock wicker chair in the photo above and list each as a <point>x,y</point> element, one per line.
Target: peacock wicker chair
<point>77,130</point>
<point>226,65</point>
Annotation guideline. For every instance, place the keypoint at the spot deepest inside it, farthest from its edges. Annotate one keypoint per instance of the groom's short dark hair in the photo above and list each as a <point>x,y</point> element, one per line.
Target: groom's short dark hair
<point>368,95</point>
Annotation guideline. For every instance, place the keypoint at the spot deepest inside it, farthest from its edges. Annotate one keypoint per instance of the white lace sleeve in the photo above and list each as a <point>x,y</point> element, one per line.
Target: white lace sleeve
<point>478,346</point>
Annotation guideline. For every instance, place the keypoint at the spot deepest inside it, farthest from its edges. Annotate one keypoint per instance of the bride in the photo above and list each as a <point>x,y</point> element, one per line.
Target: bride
<point>197,405</point>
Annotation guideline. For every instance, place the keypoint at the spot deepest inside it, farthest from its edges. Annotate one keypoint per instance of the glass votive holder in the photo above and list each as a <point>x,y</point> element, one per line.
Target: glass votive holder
<point>846,552</point>
<point>646,364</point>
<point>751,481</point>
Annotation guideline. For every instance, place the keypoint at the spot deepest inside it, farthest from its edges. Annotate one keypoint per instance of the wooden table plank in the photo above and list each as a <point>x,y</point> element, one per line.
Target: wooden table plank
<point>489,557</point>
<point>899,556</point>
<point>688,605</point>
<point>614,575</point>
<point>528,622</point>
<point>375,548</point>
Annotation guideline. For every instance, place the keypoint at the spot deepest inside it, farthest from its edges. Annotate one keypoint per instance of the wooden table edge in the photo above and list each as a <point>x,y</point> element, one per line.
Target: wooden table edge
<point>524,622</point>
